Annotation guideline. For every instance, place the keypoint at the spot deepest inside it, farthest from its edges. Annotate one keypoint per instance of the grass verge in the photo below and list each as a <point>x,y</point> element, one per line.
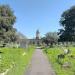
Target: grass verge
<point>53,53</point>
<point>15,59</point>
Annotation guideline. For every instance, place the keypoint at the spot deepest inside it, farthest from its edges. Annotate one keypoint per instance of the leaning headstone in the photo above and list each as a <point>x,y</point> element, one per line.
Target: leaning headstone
<point>66,65</point>
<point>66,51</point>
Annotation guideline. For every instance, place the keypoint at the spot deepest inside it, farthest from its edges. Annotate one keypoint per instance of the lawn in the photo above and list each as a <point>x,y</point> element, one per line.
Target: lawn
<point>53,53</point>
<point>15,59</point>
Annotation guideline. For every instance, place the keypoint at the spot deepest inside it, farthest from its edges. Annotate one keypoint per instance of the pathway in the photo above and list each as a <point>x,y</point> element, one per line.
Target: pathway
<point>39,65</point>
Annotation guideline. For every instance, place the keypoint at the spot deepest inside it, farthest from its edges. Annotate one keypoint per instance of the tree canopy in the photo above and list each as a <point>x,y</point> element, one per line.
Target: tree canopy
<point>67,21</point>
<point>50,38</point>
<point>7,20</point>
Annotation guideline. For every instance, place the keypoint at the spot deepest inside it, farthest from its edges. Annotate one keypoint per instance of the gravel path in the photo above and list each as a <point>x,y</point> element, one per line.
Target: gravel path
<point>39,65</point>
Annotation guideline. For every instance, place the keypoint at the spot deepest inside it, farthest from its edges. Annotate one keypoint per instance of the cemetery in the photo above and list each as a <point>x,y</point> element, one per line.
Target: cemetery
<point>47,50</point>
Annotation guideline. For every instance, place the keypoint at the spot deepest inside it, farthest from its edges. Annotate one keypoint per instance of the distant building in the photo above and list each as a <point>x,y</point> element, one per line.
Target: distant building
<point>23,43</point>
<point>37,34</point>
<point>36,40</point>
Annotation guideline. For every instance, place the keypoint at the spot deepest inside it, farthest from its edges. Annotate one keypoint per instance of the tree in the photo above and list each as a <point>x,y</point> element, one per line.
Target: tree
<point>50,38</point>
<point>10,36</point>
<point>7,20</point>
<point>67,21</point>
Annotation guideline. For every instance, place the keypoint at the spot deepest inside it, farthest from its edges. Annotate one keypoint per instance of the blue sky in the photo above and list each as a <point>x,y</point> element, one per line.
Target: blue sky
<point>38,14</point>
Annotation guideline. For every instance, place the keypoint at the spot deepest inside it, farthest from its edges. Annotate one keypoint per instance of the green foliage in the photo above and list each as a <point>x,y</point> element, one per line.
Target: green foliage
<point>50,38</point>
<point>53,53</point>
<point>7,20</point>
<point>67,21</point>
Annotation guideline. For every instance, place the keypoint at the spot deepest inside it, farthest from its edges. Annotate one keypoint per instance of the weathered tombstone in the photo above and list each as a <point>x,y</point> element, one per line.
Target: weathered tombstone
<point>66,65</point>
<point>66,51</point>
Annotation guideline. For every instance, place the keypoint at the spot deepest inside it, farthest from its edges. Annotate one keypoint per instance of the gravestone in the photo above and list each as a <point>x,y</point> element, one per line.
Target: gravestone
<point>66,65</point>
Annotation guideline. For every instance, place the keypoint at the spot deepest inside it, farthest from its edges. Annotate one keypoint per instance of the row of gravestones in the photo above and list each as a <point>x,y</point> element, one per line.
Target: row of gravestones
<point>66,43</point>
<point>14,45</point>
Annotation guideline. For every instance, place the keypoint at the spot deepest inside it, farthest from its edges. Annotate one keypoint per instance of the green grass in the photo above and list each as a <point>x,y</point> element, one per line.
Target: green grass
<point>52,54</point>
<point>15,57</point>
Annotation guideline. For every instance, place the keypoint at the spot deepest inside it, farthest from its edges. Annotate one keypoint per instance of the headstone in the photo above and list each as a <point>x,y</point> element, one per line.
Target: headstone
<point>66,51</point>
<point>66,65</point>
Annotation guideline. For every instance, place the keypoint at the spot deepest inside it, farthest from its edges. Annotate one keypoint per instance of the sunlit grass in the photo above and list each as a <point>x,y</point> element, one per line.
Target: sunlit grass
<point>53,53</point>
<point>14,59</point>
